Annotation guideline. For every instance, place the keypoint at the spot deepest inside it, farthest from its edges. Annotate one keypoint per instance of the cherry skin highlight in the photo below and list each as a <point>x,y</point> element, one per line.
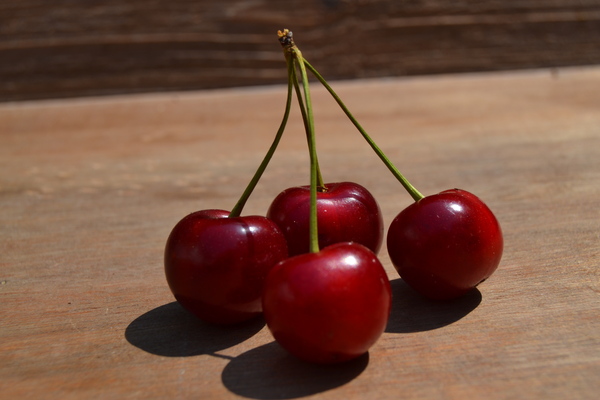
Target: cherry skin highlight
<point>330,306</point>
<point>444,245</point>
<point>346,212</point>
<point>216,266</point>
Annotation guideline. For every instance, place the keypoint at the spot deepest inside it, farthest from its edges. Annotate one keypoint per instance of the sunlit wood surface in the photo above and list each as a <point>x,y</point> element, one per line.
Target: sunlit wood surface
<point>90,189</point>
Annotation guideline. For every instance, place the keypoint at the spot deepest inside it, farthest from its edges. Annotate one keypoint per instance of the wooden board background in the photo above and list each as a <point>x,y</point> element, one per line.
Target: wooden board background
<point>90,189</point>
<point>69,48</point>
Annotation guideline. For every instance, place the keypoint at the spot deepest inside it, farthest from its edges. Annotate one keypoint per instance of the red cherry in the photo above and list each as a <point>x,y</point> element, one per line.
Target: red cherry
<point>216,266</point>
<point>444,245</point>
<point>346,212</point>
<point>329,306</point>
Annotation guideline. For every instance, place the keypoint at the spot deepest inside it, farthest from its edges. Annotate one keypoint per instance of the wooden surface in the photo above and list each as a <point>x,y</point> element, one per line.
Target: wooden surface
<point>90,189</point>
<point>79,48</point>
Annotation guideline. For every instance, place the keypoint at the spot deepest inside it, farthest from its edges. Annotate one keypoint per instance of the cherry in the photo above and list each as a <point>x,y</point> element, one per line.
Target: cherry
<point>445,244</point>
<point>442,245</point>
<point>329,306</point>
<point>346,212</point>
<point>216,265</point>
<point>216,261</point>
<point>332,304</point>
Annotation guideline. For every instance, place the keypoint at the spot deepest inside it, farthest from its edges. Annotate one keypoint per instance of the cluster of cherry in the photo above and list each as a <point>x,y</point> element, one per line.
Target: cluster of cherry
<point>310,266</point>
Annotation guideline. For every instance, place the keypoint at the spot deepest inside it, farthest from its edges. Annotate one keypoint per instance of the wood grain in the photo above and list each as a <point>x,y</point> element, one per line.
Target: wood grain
<point>81,48</point>
<point>90,188</point>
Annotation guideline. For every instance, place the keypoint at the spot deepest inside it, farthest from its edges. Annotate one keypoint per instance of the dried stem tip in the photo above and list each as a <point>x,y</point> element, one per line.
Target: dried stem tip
<point>285,37</point>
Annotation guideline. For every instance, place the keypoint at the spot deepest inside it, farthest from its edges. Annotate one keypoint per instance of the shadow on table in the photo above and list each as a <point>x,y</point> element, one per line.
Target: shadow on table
<point>171,331</point>
<point>413,313</point>
<point>269,372</point>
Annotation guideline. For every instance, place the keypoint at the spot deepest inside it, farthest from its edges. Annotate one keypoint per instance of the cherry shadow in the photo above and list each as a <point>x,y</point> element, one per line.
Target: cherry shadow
<point>411,312</point>
<point>171,331</point>
<point>268,372</point>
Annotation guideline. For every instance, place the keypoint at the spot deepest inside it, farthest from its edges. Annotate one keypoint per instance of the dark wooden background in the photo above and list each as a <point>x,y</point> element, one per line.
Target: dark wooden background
<point>67,48</point>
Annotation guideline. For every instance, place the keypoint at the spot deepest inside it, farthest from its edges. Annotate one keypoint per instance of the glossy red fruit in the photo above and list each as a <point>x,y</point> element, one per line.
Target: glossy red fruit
<point>444,245</point>
<point>330,306</point>
<point>346,212</point>
<point>216,266</point>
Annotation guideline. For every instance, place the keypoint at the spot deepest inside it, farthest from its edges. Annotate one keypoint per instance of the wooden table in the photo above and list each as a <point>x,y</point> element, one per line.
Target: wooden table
<point>90,189</point>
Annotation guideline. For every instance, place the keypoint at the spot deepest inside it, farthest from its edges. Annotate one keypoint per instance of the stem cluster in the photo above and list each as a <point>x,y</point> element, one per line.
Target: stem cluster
<point>297,63</point>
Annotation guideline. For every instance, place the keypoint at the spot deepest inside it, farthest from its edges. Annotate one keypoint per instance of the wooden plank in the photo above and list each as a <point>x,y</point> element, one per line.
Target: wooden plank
<point>72,48</point>
<point>90,188</point>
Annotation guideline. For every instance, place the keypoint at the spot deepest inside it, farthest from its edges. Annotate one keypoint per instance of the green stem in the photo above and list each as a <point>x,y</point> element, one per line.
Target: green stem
<point>237,209</point>
<point>314,236</point>
<point>305,120</point>
<point>415,194</point>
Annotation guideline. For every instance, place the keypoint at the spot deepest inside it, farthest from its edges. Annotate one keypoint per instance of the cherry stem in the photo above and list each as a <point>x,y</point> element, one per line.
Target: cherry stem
<point>291,51</point>
<point>237,209</point>
<point>314,164</point>
<point>415,194</point>
<point>305,120</point>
